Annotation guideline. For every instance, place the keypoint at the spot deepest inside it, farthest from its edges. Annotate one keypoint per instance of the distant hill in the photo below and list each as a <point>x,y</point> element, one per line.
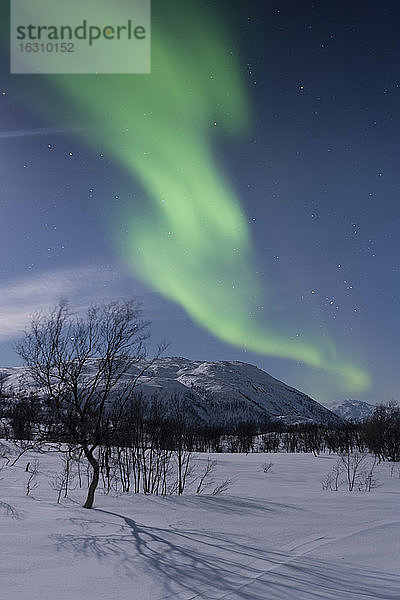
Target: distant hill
<point>353,410</point>
<point>222,393</point>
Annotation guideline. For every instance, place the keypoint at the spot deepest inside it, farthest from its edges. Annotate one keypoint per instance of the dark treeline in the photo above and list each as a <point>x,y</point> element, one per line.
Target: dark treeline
<point>138,447</point>
<point>152,426</point>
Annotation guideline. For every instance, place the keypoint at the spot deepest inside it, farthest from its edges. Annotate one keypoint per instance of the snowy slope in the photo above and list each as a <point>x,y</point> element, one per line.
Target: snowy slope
<point>352,410</point>
<point>227,392</point>
<point>274,536</point>
<point>221,392</point>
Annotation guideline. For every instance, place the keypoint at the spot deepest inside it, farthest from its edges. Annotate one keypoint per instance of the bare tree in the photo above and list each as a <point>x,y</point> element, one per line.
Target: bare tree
<point>382,432</point>
<point>82,368</point>
<point>33,471</point>
<point>353,463</point>
<point>331,480</point>
<point>205,478</point>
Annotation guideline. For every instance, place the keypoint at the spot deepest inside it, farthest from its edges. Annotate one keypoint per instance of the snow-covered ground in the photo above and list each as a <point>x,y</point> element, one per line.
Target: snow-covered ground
<point>273,535</point>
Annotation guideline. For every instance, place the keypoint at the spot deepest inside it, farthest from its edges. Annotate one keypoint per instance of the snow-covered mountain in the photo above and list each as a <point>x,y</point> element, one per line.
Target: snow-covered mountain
<point>222,393</point>
<point>352,410</point>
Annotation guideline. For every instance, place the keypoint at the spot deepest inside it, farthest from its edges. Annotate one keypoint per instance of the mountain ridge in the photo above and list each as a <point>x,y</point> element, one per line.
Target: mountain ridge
<point>222,393</point>
<point>352,410</point>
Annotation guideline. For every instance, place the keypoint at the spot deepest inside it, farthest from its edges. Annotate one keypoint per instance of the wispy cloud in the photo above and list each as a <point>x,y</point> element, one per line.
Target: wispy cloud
<point>21,297</point>
<point>21,133</point>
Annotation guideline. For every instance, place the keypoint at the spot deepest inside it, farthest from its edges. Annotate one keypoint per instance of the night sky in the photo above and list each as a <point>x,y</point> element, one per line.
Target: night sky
<point>247,191</point>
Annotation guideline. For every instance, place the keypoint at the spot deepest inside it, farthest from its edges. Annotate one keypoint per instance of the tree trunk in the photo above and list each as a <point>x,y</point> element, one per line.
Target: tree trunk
<point>95,477</point>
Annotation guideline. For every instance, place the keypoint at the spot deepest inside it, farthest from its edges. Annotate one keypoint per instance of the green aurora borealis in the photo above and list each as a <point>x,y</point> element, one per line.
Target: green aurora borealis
<point>192,244</point>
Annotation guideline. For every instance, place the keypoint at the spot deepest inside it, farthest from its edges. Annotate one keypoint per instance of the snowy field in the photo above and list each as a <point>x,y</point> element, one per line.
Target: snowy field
<point>271,536</point>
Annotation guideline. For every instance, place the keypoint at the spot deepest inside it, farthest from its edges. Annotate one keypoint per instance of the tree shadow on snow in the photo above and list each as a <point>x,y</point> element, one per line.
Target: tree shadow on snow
<point>196,565</point>
<point>10,511</point>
